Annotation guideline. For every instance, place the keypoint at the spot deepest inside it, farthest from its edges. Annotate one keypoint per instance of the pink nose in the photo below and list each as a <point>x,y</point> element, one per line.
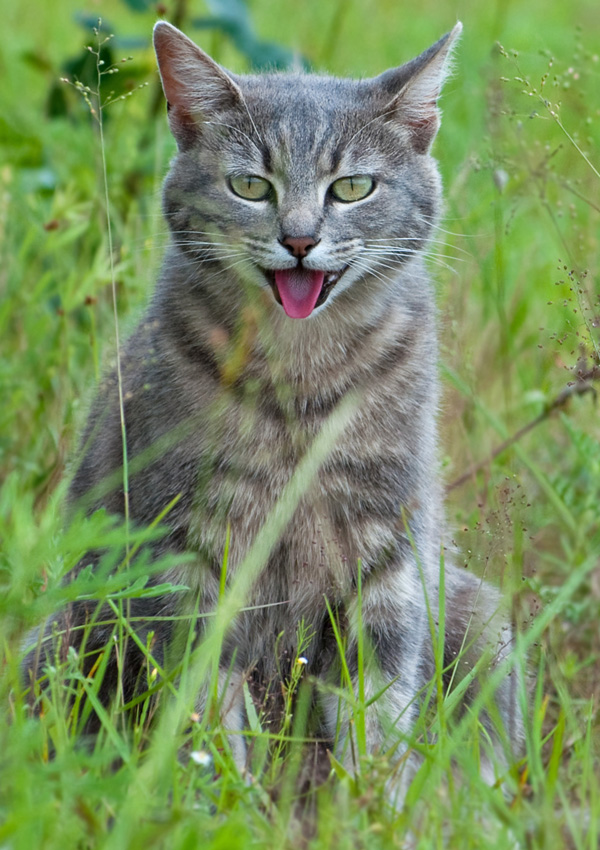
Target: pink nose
<point>299,246</point>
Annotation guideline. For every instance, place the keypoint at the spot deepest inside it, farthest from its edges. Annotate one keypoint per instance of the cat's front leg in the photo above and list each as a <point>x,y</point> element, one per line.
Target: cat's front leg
<point>387,631</point>
<point>227,708</point>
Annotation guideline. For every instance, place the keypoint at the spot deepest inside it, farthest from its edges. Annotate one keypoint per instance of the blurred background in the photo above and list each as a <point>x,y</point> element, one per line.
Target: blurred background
<point>516,265</point>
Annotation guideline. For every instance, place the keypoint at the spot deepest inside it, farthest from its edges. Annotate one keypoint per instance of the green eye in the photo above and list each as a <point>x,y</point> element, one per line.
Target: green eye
<point>354,188</point>
<point>250,187</point>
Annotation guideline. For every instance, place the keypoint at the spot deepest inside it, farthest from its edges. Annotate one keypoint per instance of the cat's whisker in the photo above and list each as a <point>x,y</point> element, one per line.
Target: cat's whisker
<point>203,257</point>
<point>199,243</point>
<point>209,246</point>
<point>429,251</point>
<point>403,252</point>
<point>437,258</point>
<point>204,279</point>
<point>380,258</point>
<point>368,269</point>
<point>391,250</point>
<point>438,261</point>
<point>435,225</point>
<point>240,131</point>
<point>380,264</point>
<point>367,124</point>
<point>428,242</point>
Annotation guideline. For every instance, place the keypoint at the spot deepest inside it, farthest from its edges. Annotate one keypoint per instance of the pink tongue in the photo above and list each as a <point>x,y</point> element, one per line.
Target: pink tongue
<point>299,290</point>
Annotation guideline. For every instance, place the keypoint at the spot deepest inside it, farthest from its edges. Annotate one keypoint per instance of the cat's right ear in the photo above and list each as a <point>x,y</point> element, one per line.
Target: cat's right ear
<point>196,88</point>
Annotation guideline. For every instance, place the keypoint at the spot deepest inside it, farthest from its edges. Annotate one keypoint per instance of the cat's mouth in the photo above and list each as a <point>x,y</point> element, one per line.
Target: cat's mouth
<point>301,290</point>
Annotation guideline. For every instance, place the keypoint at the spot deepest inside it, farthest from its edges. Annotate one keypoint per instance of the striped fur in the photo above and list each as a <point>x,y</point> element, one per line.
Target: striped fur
<point>234,391</point>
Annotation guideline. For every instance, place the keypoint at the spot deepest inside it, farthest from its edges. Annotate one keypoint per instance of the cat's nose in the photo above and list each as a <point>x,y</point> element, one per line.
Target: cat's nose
<point>299,246</point>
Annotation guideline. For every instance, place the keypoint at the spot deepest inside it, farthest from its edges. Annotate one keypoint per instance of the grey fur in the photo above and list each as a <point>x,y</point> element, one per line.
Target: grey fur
<point>234,390</point>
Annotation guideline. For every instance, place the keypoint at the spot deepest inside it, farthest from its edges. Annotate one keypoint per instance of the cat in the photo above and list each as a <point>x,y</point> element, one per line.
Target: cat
<point>294,298</point>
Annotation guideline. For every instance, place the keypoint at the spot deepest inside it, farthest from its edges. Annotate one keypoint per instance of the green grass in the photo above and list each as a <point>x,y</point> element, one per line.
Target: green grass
<point>519,314</point>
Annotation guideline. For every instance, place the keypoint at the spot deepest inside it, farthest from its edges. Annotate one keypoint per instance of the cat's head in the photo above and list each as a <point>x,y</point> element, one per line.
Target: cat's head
<point>310,186</point>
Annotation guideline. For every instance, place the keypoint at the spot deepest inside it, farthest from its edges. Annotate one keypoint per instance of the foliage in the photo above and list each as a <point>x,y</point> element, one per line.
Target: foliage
<point>517,266</point>
<point>228,18</point>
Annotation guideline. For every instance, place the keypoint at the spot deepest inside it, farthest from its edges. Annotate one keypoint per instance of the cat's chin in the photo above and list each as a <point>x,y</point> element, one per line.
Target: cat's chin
<point>330,279</point>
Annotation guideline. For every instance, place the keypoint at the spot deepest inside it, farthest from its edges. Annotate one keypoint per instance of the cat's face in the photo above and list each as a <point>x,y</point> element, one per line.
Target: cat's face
<point>304,184</point>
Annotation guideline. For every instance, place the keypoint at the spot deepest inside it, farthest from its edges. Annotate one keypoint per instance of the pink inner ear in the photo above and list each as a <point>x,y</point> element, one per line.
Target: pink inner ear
<point>170,87</point>
<point>423,129</point>
<point>178,84</point>
<point>168,44</point>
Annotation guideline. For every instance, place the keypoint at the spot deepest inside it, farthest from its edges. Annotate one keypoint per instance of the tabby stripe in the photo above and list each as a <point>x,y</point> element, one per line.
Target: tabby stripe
<point>386,647</point>
<point>402,350</point>
<point>191,347</point>
<point>376,472</point>
<point>300,408</point>
<point>266,158</point>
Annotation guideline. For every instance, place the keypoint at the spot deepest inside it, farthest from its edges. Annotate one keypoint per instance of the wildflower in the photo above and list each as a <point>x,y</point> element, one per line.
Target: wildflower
<point>201,757</point>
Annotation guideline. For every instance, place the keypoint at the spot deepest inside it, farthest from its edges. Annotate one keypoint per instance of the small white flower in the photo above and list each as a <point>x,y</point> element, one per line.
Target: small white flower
<point>301,660</point>
<point>201,757</point>
<point>500,178</point>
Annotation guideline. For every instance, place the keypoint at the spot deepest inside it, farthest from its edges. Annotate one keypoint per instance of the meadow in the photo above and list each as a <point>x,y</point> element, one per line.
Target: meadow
<point>516,263</point>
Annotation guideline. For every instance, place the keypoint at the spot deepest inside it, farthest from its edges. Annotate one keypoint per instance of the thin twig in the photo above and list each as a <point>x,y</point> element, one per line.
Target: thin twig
<point>582,385</point>
<point>100,120</point>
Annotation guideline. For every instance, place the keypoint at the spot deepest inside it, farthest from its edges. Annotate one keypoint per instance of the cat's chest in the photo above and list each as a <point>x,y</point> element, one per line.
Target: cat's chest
<point>311,517</point>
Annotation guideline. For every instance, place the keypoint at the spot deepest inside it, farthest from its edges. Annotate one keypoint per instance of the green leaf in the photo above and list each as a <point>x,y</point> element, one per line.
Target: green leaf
<point>139,5</point>
<point>253,721</point>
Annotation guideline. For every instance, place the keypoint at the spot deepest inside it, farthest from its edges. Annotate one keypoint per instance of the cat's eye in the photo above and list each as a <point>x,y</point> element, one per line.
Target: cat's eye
<point>250,187</point>
<point>348,189</point>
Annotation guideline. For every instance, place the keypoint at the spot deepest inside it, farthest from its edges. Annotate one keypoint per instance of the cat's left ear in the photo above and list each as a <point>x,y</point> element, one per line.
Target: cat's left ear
<point>413,90</point>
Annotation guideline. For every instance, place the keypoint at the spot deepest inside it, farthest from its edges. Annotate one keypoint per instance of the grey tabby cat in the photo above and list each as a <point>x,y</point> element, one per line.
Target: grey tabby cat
<point>300,210</point>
